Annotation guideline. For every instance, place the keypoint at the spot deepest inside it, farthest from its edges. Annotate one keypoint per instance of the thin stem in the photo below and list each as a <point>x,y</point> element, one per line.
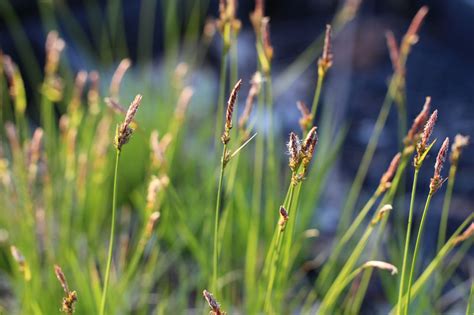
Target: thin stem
<point>417,245</point>
<point>446,203</point>
<point>216,221</point>
<point>276,254</point>
<point>470,301</point>
<point>317,96</point>
<point>111,240</point>
<point>407,242</point>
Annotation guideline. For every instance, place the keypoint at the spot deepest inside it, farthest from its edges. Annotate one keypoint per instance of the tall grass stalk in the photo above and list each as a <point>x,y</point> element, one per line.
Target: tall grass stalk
<point>215,253</point>
<point>103,299</point>
<point>436,183</point>
<point>454,240</point>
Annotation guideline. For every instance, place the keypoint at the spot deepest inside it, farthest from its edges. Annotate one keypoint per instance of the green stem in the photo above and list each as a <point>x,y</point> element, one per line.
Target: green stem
<point>216,221</point>
<point>111,240</point>
<point>446,203</point>
<point>317,95</point>
<point>470,301</point>
<point>407,241</point>
<point>276,253</point>
<point>417,245</point>
<point>435,263</point>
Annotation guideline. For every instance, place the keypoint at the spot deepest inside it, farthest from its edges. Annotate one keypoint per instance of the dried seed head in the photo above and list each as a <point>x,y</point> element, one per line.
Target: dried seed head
<point>283,218</point>
<point>418,123</point>
<point>387,177</point>
<point>393,50</point>
<point>325,62</point>
<point>21,261</point>
<point>115,106</point>
<point>469,232</point>
<point>381,265</point>
<point>61,278</point>
<point>253,92</point>
<point>117,77</point>
<point>294,148</point>
<point>155,186</point>
<point>213,304</point>
<point>34,154</point>
<point>124,132</point>
<point>310,142</point>
<point>381,213</point>
<point>150,226</point>
<point>257,15</point>
<point>460,142</point>
<point>12,136</point>
<point>183,103</point>
<point>267,46</point>
<point>54,47</point>
<point>428,130</point>
<point>425,137</point>
<point>68,303</point>
<point>437,180</point>
<point>158,148</point>
<point>411,36</point>
<point>230,110</point>
<point>93,93</point>
<point>306,118</point>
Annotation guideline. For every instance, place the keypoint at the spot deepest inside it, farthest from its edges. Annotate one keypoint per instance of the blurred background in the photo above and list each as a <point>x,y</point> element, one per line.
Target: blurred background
<point>440,65</point>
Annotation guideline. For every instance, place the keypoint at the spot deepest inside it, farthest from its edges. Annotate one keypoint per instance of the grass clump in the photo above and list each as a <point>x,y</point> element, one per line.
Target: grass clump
<point>142,224</point>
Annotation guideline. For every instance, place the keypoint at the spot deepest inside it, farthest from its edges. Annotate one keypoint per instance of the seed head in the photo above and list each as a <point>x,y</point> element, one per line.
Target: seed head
<point>283,218</point>
<point>124,131</point>
<point>267,45</point>
<point>306,119</point>
<point>393,50</point>
<point>469,232</point>
<point>381,213</point>
<point>118,76</point>
<point>411,36</point>
<point>213,304</point>
<point>230,110</point>
<point>425,137</point>
<point>418,123</point>
<point>21,261</point>
<point>257,15</point>
<point>381,265</point>
<point>61,278</point>
<point>460,142</point>
<point>253,92</point>
<point>325,62</point>
<point>294,148</point>
<point>437,180</point>
<point>150,226</point>
<point>386,179</point>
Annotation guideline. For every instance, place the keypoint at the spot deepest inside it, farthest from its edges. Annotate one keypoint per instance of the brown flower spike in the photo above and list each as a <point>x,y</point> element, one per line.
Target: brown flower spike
<point>386,179</point>
<point>437,181</point>
<point>294,148</point>
<point>325,62</point>
<point>213,304</point>
<point>124,131</point>
<point>421,146</point>
<point>418,123</point>
<point>283,218</point>
<point>230,111</point>
<point>71,296</point>
<point>460,142</point>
